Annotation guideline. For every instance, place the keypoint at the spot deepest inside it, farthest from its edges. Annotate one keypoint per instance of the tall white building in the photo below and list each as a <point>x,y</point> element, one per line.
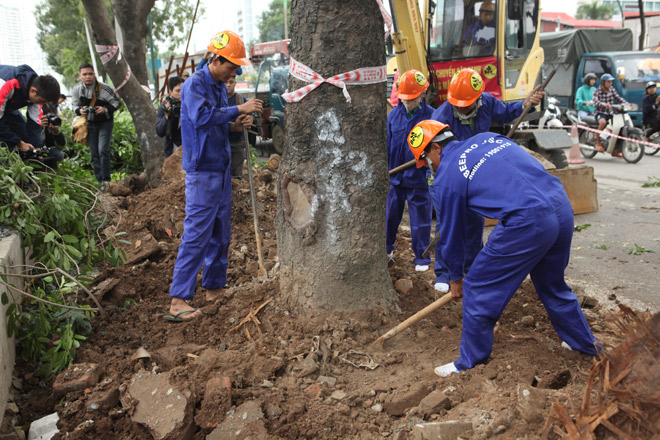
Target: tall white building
<point>247,18</point>
<point>20,35</point>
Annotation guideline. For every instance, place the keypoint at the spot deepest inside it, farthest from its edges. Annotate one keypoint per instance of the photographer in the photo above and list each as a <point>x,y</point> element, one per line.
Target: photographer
<point>97,102</point>
<point>52,136</point>
<point>168,118</point>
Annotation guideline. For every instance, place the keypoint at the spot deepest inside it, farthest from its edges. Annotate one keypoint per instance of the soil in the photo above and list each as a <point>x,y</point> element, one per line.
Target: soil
<point>291,365</point>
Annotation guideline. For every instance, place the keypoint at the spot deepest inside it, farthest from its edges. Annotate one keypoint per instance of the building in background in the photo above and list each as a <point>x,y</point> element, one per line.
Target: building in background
<point>560,21</point>
<point>247,19</point>
<point>652,21</point>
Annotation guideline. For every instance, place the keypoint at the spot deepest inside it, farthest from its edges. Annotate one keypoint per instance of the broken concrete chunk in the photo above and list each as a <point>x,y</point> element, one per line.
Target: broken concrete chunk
<point>161,407</point>
<point>450,430</point>
<point>76,378</point>
<point>398,403</point>
<point>434,402</point>
<point>246,421</point>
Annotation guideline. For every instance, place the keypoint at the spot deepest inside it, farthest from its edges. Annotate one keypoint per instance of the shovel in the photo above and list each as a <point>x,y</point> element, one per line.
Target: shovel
<point>262,274</point>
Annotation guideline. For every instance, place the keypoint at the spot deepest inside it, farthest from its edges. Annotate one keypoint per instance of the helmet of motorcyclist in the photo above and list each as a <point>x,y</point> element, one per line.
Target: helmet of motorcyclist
<point>589,76</point>
<point>465,87</point>
<point>423,134</point>
<point>606,77</point>
<point>412,84</point>
<point>229,45</point>
<point>650,84</point>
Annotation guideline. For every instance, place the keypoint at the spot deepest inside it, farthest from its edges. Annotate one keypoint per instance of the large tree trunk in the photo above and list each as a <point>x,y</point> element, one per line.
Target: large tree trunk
<point>132,17</point>
<point>331,207</point>
<point>136,98</point>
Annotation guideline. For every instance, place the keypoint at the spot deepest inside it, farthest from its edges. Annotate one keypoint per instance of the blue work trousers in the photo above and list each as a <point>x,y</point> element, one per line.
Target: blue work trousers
<point>474,243</point>
<point>419,210</point>
<point>98,139</point>
<point>206,233</point>
<point>536,241</point>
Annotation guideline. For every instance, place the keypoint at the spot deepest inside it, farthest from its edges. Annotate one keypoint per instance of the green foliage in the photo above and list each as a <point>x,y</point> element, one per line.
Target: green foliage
<point>271,22</point>
<point>124,148</point>
<point>639,250</point>
<point>653,182</point>
<point>62,32</point>
<point>579,228</point>
<point>58,217</point>
<point>594,10</point>
<point>602,247</point>
<point>253,158</point>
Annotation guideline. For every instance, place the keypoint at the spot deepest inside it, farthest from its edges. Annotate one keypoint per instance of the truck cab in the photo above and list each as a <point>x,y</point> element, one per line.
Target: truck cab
<point>631,71</point>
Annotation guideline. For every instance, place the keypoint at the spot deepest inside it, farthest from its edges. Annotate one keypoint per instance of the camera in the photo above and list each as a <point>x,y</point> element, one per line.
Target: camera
<point>175,106</point>
<point>91,113</point>
<point>54,119</point>
<point>33,153</point>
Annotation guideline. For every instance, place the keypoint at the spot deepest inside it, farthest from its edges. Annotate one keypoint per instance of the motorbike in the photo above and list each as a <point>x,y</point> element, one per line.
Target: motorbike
<point>654,139</point>
<point>621,125</point>
<point>551,117</point>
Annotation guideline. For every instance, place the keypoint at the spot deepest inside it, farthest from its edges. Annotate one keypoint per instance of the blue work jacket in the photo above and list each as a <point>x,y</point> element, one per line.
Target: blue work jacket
<point>488,175</point>
<point>399,125</point>
<point>491,110</point>
<point>205,119</point>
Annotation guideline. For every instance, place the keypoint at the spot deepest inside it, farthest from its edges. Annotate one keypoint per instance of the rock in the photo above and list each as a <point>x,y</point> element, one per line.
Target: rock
<point>118,189</point>
<point>104,287</point>
<point>450,430</point>
<point>403,286</point>
<point>45,427</point>
<point>216,403</point>
<point>273,411</point>
<point>377,407</point>
<point>397,404</point>
<point>331,381</point>
<point>104,400</point>
<point>76,378</point>
<point>162,408</point>
<point>531,403</point>
<point>147,247</point>
<point>434,402</point>
<point>314,390</point>
<point>338,395</point>
<point>527,321</point>
<point>252,268</point>
<point>247,421</point>
<point>306,367</point>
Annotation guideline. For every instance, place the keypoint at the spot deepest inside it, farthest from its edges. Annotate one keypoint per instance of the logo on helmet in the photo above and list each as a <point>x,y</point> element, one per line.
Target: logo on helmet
<point>220,41</point>
<point>416,137</point>
<point>476,82</point>
<point>419,78</point>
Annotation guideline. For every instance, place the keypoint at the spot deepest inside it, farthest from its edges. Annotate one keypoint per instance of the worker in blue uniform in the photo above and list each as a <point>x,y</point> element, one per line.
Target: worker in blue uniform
<point>469,111</point>
<point>411,184</point>
<point>205,119</point>
<point>490,175</point>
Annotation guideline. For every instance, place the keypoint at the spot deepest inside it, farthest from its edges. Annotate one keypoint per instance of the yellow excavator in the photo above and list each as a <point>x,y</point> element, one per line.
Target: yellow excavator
<point>500,40</point>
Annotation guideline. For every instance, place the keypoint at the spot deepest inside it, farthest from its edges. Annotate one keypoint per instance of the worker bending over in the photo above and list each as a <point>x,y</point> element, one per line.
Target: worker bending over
<point>491,176</point>
<point>411,184</point>
<point>469,111</point>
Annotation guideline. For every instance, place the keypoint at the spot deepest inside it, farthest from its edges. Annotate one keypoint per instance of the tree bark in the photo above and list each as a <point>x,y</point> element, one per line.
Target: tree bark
<point>132,17</point>
<point>642,23</point>
<point>333,175</point>
<point>136,98</point>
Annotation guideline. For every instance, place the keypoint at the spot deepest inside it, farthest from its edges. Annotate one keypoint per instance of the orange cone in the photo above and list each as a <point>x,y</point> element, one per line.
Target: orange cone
<point>574,157</point>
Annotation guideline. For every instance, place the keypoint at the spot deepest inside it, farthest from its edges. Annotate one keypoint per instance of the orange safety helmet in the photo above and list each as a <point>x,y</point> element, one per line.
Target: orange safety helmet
<point>412,84</point>
<point>465,87</point>
<point>421,135</point>
<point>229,45</point>
<point>487,6</point>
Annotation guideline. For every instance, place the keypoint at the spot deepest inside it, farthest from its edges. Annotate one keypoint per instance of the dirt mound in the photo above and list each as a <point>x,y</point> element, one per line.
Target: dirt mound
<point>293,376</point>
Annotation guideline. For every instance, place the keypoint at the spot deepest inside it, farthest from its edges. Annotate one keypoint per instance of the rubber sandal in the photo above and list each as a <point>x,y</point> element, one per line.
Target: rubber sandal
<point>178,316</point>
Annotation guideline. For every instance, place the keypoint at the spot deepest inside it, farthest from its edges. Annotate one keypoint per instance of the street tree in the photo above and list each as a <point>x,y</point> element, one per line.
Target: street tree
<point>137,100</point>
<point>271,22</point>
<point>594,10</point>
<point>333,174</point>
<point>62,33</point>
<point>642,23</point>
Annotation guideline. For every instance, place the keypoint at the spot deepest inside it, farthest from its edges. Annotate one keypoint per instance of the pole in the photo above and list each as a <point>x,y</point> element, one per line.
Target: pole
<point>91,48</point>
<point>286,24</point>
<point>192,25</point>
<point>253,196</point>
<point>154,68</point>
<point>529,106</point>
<point>405,166</point>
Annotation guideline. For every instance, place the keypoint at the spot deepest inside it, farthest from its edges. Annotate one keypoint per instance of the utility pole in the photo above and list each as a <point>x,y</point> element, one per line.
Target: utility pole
<point>286,24</point>
<point>91,47</point>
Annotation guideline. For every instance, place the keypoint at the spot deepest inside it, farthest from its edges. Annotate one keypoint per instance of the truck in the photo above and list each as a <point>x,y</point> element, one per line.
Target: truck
<point>433,40</point>
<point>574,53</point>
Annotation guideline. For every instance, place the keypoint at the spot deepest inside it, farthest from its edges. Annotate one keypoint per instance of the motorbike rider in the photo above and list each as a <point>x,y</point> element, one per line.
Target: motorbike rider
<point>650,105</point>
<point>584,97</point>
<point>604,97</point>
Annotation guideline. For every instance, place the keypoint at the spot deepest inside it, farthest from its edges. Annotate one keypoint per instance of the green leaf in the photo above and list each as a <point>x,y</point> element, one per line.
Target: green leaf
<point>70,239</point>
<point>73,251</point>
<point>4,298</point>
<point>49,237</point>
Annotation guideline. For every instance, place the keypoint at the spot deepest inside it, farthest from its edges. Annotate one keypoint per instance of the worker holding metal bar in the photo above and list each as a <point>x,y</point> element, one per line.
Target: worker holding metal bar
<point>409,185</point>
<point>470,110</point>
<point>489,175</point>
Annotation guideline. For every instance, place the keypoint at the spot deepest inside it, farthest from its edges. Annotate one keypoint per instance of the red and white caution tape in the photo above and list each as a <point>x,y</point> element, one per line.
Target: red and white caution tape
<point>365,75</point>
<point>609,133</point>
<point>387,18</point>
<point>106,54</point>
